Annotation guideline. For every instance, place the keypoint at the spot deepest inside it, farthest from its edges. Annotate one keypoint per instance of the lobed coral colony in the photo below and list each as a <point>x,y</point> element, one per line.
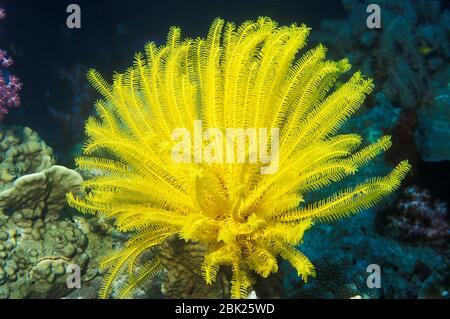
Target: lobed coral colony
<point>247,76</point>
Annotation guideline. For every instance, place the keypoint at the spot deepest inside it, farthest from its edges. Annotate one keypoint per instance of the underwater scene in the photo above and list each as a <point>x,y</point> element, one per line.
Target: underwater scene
<point>224,150</point>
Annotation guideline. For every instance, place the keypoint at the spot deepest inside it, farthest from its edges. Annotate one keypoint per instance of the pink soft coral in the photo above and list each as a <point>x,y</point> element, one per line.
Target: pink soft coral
<point>420,218</point>
<point>10,84</point>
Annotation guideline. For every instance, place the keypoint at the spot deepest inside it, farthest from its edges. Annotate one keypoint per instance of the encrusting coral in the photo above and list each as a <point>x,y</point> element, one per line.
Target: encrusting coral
<point>243,76</point>
<point>22,152</point>
<point>38,240</point>
<point>33,194</point>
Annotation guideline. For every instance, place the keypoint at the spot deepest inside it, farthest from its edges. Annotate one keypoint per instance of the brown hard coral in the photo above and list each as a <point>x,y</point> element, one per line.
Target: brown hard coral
<point>22,152</point>
<point>38,243</point>
<point>182,280</point>
<point>33,193</point>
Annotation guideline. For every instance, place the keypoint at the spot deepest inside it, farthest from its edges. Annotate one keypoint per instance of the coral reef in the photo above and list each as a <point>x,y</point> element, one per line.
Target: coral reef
<point>411,46</point>
<point>410,65</point>
<point>238,77</point>
<point>418,218</point>
<point>407,271</point>
<point>39,240</point>
<point>10,84</point>
<point>408,58</point>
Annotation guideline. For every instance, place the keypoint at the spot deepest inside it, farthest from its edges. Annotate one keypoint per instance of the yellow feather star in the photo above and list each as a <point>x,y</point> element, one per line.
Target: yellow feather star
<point>238,77</point>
